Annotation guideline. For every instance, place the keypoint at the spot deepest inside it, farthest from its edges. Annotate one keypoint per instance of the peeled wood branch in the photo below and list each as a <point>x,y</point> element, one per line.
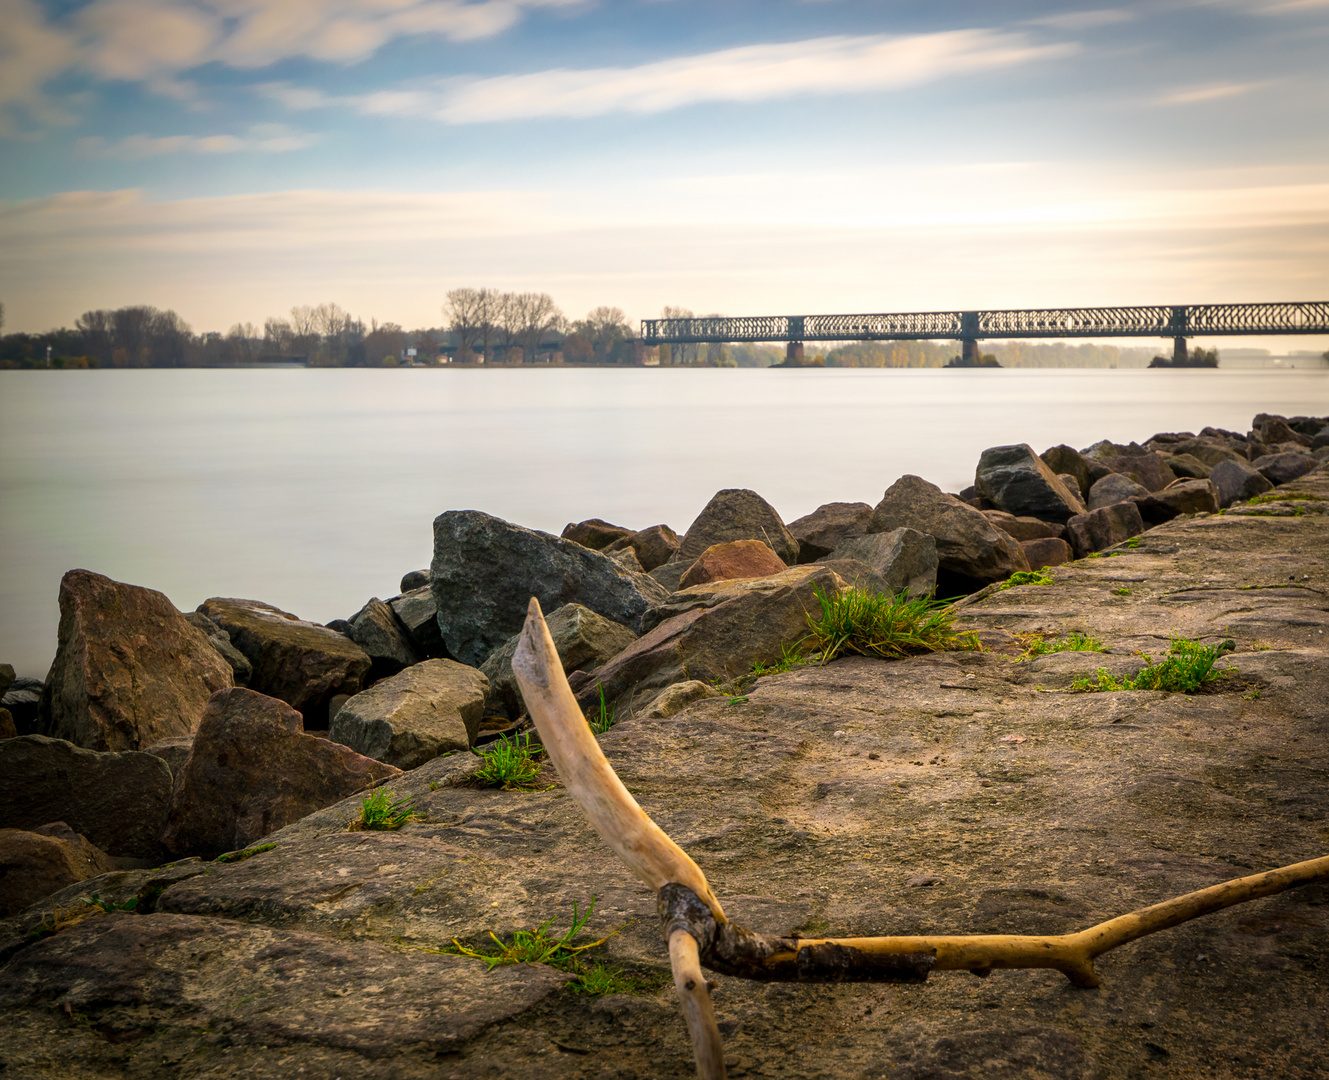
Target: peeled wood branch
<point>689,910</point>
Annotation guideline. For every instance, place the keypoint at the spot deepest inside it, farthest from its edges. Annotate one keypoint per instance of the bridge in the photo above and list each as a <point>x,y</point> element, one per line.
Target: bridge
<point>1178,321</point>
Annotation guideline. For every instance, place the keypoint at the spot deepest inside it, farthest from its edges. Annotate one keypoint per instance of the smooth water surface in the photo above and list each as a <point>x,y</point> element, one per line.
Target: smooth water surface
<point>315,489</point>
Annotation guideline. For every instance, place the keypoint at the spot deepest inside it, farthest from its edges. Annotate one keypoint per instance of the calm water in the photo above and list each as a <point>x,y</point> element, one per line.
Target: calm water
<point>314,490</point>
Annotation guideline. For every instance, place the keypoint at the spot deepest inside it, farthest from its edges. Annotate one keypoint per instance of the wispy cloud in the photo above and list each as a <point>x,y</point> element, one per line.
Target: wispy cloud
<point>1085,20</point>
<point>1197,95</point>
<point>751,73</point>
<point>261,139</point>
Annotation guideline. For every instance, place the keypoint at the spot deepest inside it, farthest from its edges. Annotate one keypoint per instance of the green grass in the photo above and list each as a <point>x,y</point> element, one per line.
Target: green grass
<point>877,624</point>
<point>1187,667</point>
<point>1285,496</point>
<point>789,659</point>
<point>1025,577</point>
<point>379,811</point>
<point>603,718</point>
<point>96,901</point>
<point>1133,542</point>
<point>1125,590</point>
<point>247,853</point>
<point>510,764</point>
<point>1039,645</point>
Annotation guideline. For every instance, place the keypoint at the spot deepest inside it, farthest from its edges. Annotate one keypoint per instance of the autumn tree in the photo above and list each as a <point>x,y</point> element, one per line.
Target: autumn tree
<point>604,327</point>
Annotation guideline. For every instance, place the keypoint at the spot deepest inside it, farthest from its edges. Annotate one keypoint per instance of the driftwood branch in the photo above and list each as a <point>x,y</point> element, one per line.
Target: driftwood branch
<point>699,934</point>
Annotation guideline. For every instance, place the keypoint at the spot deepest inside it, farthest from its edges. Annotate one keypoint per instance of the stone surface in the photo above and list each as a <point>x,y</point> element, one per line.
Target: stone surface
<point>1145,467</point>
<point>1114,488</point>
<point>8,729</point>
<point>905,559</point>
<point>1015,479</point>
<point>486,570</point>
<point>1046,551</point>
<point>117,800</point>
<point>241,668</point>
<point>733,559</point>
<point>1182,497</point>
<point>1188,465</point>
<point>128,668</point>
<point>1284,468</point>
<point>301,663</point>
<point>674,699</point>
<point>36,863</point>
<point>1237,481</point>
<point>429,709</point>
<point>414,579</point>
<point>252,770</point>
<point>175,752</point>
<point>968,545</point>
<point>583,639</point>
<point>1207,449</point>
<point>376,630</point>
<point>6,678</point>
<point>819,532</point>
<point>594,533</point>
<point>417,612</point>
<point>732,514</point>
<point>1104,528</point>
<point>652,547</point>
<point>1023,528</point>
<point>23,702</point>
<point>1066,459</point>
<point>1276,429</point>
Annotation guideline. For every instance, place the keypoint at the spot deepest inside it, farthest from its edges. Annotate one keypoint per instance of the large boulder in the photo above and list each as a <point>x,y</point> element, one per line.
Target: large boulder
<point>651,547</point>
<point>820,532</point>
<point>1146,467</point>
<point>1188,466</point>
<point>408,719</point>
<point>413,579</point>
<point>734,559</point>
<point>1183,497</point>
<point>302,663</point>
<point>486,570</point>
<point>1015,479</point>
<point>1237,481</point>
<point>128,668</point>
<point>1067,460</point>
<point>732,514</point>
<point>1046,551</point>
<point>45,860</point>
<point>1023,528</point>
<point>1284,468</point>
<point>1114,488</point>
<point>376,630</point>
<point>241,668</point>
<point>117,800</point>
<point>1104,528</point>
<point>968,545</point>
<point>417,612</point>
<point>252,770</point>
<point>905,559</point>
<point>583,640</point>
<point>594,533</point>
<point>1275,429</point>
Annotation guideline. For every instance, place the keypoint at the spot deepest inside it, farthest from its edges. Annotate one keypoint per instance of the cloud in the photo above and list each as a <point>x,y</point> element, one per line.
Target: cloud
<point>1085,20</point>
<point>262,139</point>
<point>30,53</point>
<point>1197,95</point>
<point>828,65</point>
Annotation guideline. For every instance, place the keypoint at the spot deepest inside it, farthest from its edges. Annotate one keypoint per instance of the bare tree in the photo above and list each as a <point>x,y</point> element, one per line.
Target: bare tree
<point>467,310</point>
<point>508,316</point>
<point>683,354</point>
<point>605,327</point>
<point>278,335</point>
<point>242,342</point>
<point>539,316</point>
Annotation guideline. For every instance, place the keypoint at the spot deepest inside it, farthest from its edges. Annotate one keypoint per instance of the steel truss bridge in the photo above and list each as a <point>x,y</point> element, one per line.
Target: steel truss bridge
<point>1174,321</point>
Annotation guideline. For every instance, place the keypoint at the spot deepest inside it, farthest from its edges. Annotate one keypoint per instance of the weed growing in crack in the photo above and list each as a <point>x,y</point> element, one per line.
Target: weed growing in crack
<point>879,624</point>
<point>1187,667</point>
<point>510,764</point>
<point>379,811</point>
<point>1026,577</point>
<point>1039,645</point>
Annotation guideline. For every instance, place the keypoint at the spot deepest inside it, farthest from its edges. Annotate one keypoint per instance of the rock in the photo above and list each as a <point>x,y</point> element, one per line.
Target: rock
<point>35,864</point>
<point>253,770</point>
<point>128,668</point>
<point>23,703</point>
<point>583,639</point>
<point>8,729</point>
<point>904,558</point>
<point>1072,485</point>
<point>653,547</point>
<point>6,678</point>
<point>674,699</point>
<point>414,579</point>
<point>734,559</point>
<point>117,800</point>
<point>241,669</point>
<point>1023,528</point>
<point>1188,465</point>
<point>1275,429</point>
<point>1146,467</point>
<point>1066,459</point>
<point>819,532</point>
<point>414,716</point>
<point>417,611</point>
<point>1016,480</point>
<point>732,514</point>
<point>1207,449</point>
<point>299,662</point>
<point>376,630</point>
<point>1320,439</point>
<point>175,752</point>
<point>486,570</point>
<point>1238,481</point>
<point>1114,488</point>
<point>968,545</point>
<point>1046,551</point>
<point>1182,497</point>
<point>594,533</point>
<point>627,558</point>
<point>743,622</point>
<point>1104,528</point>
<point>1284,468</point>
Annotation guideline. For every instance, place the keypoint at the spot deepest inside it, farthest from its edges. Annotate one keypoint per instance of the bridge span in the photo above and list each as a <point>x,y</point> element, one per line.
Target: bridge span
<point>1176,321</point>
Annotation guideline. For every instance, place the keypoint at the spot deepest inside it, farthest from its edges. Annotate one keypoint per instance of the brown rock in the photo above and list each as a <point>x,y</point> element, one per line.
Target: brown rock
<point>732,514</point>
<point>1188,465</point>
<point>653,547</point>
<point>1147,468</point>
<point>735,559</point>
<point>1237,481</point>
<point>1183,497</point>
<point>1114,488</point>
<point>253,770</point>
<point>35,864</point>
<point>7,728</point>
<point>820,532</point>
<point>1066,459</point>
<point>128,668</point>
<point>1276,429</point>
<point>1104,528</point>
<point>299,662</point>
<point>1284,468</point>
<point>594,533</point>
<point>1047,551</point>
<point>1023,528</point>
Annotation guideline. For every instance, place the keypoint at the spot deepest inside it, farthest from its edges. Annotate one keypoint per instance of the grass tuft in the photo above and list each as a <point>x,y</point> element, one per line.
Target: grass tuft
<point>603,718</point>
<point>1026,577</point>
<point>878,624</point>
<point>1125,590</point>
<point>510,764</point>
<point>1039,645</point>
<point>379,811</point>
<point>1187,667</point>
<point>789,659</point>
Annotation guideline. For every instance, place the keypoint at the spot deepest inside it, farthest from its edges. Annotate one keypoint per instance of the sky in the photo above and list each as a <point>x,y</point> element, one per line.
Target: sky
<point>229,159</point>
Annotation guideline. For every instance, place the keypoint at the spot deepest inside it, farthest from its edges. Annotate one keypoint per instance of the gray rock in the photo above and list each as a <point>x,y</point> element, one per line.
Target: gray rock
<point>583,639</point>
<point>1103,528</point>
<point>905,558</point>
<point>1284,468</point>
<point>674,699</point>
<point>414,579</point>
<point>1072,483</point>
<point>1066,459</point>
<point>117,800</point>
<point>417,611</point>
<point>626,557</point>
<point>1188,465</point>
<point>968,545</point>
<point>376,630</point>
<point>732,514</point>
<point>1146,467</point>
<point>1023,528</point>
<point>1276,429</point>
<point>1015,479</point>
<point>1114,488</point>
<point>23,702</point>
<point>1207,449</point>
<point>486,570</point>
<point>653,547</point>
<point>422,712</point>
<point>241,669</point>
<point>1237,481</point>
<point>1183,497</point>
<point>819,532</point>
<point>594,533</point>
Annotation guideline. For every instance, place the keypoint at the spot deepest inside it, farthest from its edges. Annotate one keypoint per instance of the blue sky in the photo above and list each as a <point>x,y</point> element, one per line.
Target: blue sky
<point>232,158</point>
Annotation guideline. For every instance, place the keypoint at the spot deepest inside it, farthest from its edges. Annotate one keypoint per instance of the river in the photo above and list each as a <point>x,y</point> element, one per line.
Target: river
<point>315,489</point>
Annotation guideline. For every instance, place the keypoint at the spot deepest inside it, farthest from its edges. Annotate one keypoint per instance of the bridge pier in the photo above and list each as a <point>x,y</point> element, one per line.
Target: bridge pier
<point>1179,350</point>
<point>969,350</point>
<point>793,352</point>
